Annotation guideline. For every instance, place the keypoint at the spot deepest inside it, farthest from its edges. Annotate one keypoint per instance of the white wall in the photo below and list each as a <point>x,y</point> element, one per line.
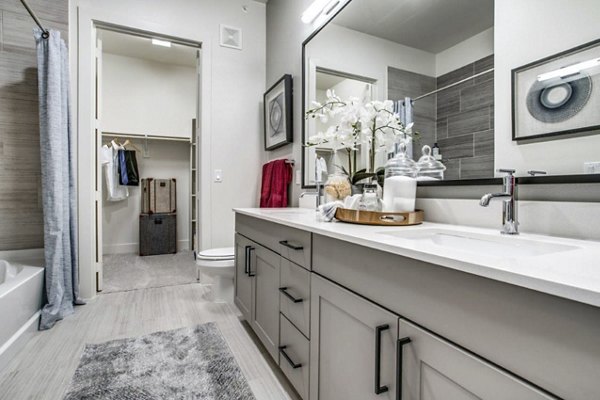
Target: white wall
<point>233,83</point>
<point>147,97</point>
<point>468,51</point>
<point>120,220</point>
<point>526,31</point>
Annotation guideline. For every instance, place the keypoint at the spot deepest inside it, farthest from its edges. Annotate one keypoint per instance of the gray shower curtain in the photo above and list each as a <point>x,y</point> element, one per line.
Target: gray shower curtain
<point>57,149</point>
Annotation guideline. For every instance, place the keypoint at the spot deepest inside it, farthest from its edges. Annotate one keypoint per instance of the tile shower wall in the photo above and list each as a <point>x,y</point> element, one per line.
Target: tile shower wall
<point>21,225</point>
<point>465,121</point>
<point>460,119</point>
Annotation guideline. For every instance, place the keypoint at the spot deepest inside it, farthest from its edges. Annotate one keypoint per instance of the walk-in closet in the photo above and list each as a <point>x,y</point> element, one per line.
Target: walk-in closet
<point>147,98</point>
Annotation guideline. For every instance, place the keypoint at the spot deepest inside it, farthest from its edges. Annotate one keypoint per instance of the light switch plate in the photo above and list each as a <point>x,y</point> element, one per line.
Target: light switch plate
<point>218,176</point>
<point>298,177</point>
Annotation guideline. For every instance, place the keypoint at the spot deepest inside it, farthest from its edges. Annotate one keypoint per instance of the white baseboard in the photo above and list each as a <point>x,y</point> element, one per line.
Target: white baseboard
<point>133,248</point>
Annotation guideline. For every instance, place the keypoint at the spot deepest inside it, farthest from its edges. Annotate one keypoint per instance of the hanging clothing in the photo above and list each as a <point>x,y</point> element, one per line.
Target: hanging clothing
<point>59,174</point>
<point>128,168</point>
<point>276,177</point>
<point>109,158</point>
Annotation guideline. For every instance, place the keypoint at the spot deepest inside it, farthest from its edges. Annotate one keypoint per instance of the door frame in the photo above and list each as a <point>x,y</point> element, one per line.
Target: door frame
<point>89,214</point>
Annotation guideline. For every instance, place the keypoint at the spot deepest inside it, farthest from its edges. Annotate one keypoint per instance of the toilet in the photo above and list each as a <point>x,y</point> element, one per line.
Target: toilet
<point>219,264</point>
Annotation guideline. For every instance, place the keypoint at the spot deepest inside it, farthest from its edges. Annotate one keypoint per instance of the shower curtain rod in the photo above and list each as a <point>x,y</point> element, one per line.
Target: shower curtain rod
<point>45,33</point>
<point>453,84</point>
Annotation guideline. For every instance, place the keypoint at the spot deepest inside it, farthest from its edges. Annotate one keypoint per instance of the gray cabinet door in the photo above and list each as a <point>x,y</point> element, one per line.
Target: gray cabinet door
<point>433,369</point>
<point>347,361</point>
<point>243,281</point>
<point>264,269</point>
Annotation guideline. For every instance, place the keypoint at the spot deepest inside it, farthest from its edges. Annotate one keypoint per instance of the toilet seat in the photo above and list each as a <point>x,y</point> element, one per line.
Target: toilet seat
<point>218,254</point>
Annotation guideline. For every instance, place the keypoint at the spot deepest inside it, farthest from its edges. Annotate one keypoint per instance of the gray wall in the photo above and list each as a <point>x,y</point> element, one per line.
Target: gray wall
<point>21,224</point>
<point>285,34</point>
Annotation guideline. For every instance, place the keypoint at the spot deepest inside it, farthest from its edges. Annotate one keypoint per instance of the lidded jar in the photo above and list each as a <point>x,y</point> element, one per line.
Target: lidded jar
<point>400,185</point>
<point>429,168</point>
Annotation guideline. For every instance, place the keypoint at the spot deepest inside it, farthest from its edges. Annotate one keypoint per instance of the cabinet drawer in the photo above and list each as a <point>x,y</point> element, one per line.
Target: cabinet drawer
<point>432,368</point>
<point>294,298</point>
<point>291,243</point>
<point>295,245</point>
<point>294,357</point>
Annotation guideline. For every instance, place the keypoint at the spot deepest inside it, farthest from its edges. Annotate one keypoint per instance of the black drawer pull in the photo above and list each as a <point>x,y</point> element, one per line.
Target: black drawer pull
<point>289,360</point>
<point>399,347</point>
<point>249,250</point>
<point>290,246</point>
<point>378,388</point>
<point>247,260</point>
<point>289,296</point>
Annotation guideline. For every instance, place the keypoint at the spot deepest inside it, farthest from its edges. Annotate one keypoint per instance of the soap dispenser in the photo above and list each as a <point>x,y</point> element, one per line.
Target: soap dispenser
<point>400,184</point>
<point>430,168</point>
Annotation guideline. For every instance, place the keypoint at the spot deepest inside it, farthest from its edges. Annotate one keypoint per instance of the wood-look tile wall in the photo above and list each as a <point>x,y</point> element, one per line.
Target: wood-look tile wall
<point>21,225</point>
<point>465,121</point>
<point>460,119</point>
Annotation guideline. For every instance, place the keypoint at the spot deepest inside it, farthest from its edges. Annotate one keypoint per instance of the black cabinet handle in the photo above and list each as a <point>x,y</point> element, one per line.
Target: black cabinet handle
<point>249,251</point>
<point>399,347</point>
<point>289,296</point>
<point>378,388</point>
<point>247,259</point>
<point>289,360</point>
<point>290,246</point>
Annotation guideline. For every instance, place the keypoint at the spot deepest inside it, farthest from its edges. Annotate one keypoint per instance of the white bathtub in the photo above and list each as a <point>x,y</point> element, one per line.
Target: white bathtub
<point>21,289</point>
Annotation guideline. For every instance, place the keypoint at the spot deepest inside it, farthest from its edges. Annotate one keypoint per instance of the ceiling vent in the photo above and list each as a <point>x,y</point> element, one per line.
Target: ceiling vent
<point>231,37</point>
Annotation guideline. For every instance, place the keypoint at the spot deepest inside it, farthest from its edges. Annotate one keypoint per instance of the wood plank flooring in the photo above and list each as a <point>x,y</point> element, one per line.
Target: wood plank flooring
<point>44,368</point>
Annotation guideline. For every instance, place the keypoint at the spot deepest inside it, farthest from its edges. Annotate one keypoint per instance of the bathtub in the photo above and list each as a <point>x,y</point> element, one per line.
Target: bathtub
<point>21,288</point>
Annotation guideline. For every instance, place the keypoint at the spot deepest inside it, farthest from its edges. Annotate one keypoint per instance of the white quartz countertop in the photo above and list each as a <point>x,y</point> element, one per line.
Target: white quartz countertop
<point>572,274</point>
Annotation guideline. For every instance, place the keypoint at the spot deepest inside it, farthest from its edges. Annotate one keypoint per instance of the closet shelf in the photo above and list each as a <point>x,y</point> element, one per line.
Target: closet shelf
<point>142,136</point>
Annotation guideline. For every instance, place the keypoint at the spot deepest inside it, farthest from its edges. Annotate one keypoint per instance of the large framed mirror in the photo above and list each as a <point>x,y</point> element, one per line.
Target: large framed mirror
<point>446,65</point>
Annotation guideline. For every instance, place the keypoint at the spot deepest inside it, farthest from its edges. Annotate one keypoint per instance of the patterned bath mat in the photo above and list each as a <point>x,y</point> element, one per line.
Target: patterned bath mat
<point>188,363</point>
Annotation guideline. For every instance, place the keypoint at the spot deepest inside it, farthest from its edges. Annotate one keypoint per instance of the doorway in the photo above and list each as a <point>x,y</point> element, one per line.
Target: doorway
<point>146,106</point>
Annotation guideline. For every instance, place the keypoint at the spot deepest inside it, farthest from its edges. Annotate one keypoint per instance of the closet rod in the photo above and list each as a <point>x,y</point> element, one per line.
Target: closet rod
<point>151,137</point>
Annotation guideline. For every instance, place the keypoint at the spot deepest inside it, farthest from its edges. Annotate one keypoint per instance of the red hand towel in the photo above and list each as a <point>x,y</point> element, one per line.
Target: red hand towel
<point>276,177</point>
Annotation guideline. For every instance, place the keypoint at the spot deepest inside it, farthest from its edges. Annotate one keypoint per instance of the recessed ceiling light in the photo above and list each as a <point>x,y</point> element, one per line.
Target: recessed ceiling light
<point>163,43</point>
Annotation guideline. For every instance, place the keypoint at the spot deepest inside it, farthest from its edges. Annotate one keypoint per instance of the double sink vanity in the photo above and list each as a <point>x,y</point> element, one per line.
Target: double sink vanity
<point>432,311</point>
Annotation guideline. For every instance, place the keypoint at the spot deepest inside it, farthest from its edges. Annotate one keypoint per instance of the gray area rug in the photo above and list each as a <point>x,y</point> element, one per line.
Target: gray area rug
<point>124,272</point>
<point>188,363</point>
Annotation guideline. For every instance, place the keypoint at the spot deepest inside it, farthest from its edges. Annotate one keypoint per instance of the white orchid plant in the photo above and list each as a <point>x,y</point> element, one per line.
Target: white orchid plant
<point>374,124</point>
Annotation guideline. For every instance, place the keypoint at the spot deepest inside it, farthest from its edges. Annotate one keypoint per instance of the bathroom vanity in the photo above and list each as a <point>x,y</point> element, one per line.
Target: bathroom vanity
<point>426,312</point>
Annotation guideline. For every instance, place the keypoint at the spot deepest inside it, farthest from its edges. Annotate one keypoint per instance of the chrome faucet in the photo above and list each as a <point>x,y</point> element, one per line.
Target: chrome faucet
<point>510,226</point>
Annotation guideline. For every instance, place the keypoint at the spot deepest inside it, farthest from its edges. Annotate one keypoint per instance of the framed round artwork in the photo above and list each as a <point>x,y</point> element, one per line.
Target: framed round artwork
<point>278,114</point>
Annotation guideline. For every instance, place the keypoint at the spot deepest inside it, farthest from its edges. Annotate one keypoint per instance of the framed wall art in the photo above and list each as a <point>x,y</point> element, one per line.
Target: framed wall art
<point>557,95</point>
<point>278,114</point>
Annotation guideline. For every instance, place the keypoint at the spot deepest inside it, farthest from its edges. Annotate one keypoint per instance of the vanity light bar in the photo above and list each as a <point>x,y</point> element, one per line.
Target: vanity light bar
<point>163,43</point>
<point>314,10</point>
<point>570,70</point>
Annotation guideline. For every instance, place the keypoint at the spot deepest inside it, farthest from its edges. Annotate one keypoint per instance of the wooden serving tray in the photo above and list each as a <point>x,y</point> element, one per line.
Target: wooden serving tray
<point>379,218</point>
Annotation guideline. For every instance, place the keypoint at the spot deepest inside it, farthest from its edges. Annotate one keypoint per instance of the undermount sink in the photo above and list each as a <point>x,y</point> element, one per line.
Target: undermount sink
<point>483,244</point>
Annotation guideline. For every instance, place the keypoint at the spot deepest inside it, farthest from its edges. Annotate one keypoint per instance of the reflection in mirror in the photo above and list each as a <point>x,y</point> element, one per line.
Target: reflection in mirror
<point>433,58</point>
<point>345,86</point>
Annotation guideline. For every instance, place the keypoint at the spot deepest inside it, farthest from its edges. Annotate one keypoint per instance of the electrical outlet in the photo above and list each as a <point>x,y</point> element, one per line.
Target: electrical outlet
<point>218,176</point>
<point>592,167</point>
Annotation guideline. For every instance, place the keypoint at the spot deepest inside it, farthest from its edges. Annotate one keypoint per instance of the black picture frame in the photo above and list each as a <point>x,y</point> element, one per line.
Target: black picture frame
<point>278,114</point>
<point>516,102</point>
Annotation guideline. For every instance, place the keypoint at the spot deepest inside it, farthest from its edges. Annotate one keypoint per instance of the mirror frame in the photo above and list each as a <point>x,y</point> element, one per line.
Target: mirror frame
<point>531,180</point>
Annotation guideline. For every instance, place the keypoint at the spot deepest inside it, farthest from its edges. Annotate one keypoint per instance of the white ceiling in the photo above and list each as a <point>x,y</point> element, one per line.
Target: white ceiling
<point>140,47</point>
<point>327,81</point>
<point>430,25</point>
